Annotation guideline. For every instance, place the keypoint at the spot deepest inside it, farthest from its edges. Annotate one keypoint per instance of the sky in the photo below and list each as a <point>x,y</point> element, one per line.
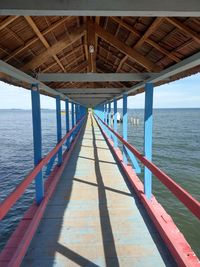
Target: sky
<point>184,93</point>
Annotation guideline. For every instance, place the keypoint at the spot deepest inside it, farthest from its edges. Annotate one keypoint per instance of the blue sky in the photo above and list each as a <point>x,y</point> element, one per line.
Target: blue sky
<point>184,93</point>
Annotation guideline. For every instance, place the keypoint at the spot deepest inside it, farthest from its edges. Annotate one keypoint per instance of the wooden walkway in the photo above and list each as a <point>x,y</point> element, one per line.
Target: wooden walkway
<point>93,218</point>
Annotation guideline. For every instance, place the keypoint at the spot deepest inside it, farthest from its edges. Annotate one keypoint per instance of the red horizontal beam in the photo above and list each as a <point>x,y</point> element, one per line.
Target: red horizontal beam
<point>6,204</point>
<point>191,203</point>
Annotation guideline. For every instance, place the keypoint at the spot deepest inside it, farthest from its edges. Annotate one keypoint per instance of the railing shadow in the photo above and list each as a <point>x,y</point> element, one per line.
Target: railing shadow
<point>106,227</point>
<point>45,246</point>
<point>161,246</point>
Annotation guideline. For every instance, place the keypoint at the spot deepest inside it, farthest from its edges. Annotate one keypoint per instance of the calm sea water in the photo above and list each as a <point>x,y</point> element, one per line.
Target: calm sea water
<point>176,150</point>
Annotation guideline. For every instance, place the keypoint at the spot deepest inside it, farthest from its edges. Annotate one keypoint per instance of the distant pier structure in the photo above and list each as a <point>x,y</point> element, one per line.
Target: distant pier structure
<point>92,209</point>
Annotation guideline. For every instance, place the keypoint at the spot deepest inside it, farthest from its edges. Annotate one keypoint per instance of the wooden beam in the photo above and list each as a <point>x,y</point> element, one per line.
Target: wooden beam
<point>7,21</point>
<point>121,63</point>
<point>145,35</point>
<point>91,46</point>
<point>35,39</point>
<point>156,23</point>
<point>184,28</point>
<point>65,57</point>
<point>97,20</point>
<point>42,39</point>
<point>171,55</point>
<point>54,49</point>
<point>136,56</point>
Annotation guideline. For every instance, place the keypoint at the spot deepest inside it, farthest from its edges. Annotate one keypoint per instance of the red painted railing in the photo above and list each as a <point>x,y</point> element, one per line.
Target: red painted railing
<point>191,203</point>
<point>12,198</point>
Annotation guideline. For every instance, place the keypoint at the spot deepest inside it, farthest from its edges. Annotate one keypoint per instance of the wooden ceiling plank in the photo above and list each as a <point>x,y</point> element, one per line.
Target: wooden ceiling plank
<point>55,49</point>
<point>65,57</point>
<point>184,28</point>
<point>156,23</point>
<point>82,66</point>
<point>7,21</point>
<point>171,54</point>
<point>42,39</point>
<point>35,39</point>
<point>136,56</point>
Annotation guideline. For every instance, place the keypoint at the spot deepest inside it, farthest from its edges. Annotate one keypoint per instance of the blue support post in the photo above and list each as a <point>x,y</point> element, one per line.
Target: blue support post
<point>78,112</point>
<point>109,118</point>
<point>37,140</point>
<point>67,120</point>
<point>109,113</point>
<point>115,122</point>
<point>148,126</point>
<point>76,109</point>
<point>125,126</point>
<point>72,114</point>
<point>104,112</point>
<point>67,114</point>
<point>59,128</point>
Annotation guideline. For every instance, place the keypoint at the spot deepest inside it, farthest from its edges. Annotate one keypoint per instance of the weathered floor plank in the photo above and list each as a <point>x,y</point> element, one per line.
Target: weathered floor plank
<point>93,219</point>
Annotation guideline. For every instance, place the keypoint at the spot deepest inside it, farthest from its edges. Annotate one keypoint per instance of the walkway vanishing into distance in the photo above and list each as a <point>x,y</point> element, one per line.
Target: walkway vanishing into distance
<point>94,218</point>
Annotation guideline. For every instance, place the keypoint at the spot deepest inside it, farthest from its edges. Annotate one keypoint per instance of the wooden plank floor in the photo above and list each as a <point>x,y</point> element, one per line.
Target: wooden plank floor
<point>93,219</point>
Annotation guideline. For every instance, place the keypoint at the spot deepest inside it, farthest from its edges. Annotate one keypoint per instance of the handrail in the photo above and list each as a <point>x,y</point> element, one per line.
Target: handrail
<point>191,203</point>
<point>11,199</point>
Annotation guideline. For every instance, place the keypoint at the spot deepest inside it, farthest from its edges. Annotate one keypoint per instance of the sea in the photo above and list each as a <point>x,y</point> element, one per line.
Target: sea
<point>176,151</point>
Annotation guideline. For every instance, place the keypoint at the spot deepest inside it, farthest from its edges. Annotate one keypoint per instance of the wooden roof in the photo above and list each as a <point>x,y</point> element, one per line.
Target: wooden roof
<point>53,44</point>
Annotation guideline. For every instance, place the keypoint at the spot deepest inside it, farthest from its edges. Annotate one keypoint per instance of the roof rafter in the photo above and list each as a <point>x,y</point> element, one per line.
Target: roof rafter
<point>35,39</point>
<point>181,26</point>
<point>136,56</point>
<point>64,58</point>
<point>91,46</point>
<point>171,55</point>
<point>156,23</point>
<point>7,21</point>
<point>54,49</point>
<point>42,39</point>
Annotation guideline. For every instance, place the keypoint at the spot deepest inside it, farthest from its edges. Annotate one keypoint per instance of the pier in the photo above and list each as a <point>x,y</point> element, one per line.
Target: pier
<point>91,208</point>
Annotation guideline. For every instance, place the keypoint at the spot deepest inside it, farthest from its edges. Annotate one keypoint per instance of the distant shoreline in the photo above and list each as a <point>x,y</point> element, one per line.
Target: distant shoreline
<point>18,109</point>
